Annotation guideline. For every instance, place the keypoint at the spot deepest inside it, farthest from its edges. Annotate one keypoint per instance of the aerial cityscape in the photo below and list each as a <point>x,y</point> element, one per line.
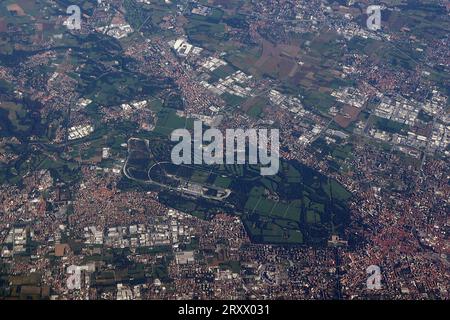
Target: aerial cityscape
<point>224,150</point>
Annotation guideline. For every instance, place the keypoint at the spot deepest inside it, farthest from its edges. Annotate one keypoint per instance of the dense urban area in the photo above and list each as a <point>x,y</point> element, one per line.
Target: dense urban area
<point>92,208</point>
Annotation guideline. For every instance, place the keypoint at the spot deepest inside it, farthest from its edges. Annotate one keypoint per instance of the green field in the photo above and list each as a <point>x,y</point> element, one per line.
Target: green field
<point>296,206</point>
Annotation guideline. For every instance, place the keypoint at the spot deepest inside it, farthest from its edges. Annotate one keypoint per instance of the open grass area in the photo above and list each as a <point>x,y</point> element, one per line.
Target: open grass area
<point>389,125</point>
<point>168,121</point>
<point>16,115</point>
